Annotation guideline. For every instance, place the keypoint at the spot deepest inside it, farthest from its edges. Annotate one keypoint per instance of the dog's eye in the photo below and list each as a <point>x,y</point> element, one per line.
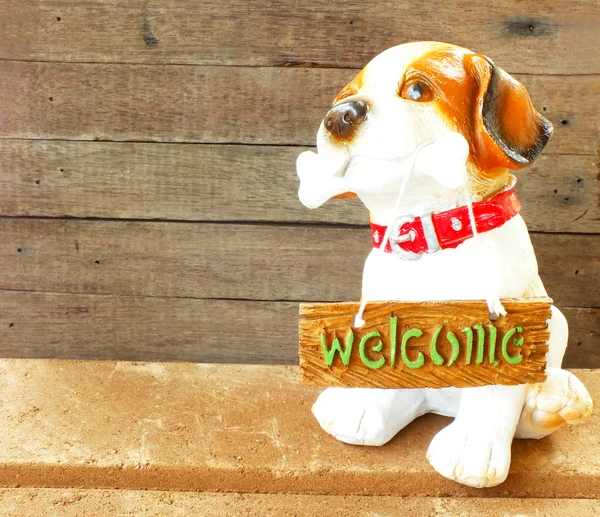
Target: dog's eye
<point>418,91</point>
<point>415,91</point>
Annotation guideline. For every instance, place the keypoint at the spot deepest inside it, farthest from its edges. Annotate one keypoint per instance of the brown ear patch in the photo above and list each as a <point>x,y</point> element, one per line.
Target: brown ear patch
<point>510,119</point>
<point>486,105</point>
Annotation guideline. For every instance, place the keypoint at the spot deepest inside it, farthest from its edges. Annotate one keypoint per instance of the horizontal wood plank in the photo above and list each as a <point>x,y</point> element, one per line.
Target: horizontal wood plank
<point>134,328</point>
<point>180,426</point>
<point>68,502</point>
<point>258,262</point>
<point>584,338</point>
<point>225,104</point>
<point>559,193</point>
<point>559,39</point>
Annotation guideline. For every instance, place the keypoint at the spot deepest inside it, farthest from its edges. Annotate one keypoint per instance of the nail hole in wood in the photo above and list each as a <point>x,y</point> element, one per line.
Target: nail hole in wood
<point>579,343</point>
<point>11,325</point>
<point>545,108</point>
<point>556,191</point>
<point>19,250</point>
<point>62,170</point>
<point>579,180</point>
<point>577,271</point>
<point>37,182</point>
<point>566,199</point>
<point>96,262</point>
<point>50,99</point>
<point>564,122</point>
<point>58,18</point>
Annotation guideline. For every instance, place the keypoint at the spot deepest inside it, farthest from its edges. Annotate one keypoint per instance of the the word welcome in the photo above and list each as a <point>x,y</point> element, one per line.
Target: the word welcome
<point>474,341</point>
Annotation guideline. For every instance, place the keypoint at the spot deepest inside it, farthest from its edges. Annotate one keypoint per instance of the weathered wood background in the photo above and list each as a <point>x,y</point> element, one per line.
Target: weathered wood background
<point>147,166</point>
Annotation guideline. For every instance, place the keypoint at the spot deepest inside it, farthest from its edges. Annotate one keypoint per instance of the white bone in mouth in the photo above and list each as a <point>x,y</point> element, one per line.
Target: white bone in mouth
<point>323,177</point>
<point>320,179</point>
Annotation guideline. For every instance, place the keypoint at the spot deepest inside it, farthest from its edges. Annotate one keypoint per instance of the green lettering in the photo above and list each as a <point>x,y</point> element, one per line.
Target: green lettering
<point>437,358</point>
<point>393,330</point>
<point>518,342</point>
<point>469,332</point>
<point>330,354</point>
<point>492,352</point>
<point>455,347</point>
<point>480,343</point>
<point>377,348</point>
<point>420,361</point>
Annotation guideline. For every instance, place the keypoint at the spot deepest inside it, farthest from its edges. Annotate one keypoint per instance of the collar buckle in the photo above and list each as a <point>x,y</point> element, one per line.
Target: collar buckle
<point>396,238</point>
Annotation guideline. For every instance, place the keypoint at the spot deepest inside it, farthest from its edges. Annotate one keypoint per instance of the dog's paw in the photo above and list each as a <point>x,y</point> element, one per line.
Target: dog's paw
<point>468,457</point>
<point>344,414</point>
<point>366,416</point>
<point>561,399</point>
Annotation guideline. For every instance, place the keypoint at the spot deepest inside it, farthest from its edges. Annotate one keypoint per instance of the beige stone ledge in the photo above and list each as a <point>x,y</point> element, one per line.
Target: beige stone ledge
<point>215,428</point>
<point>60,502</point>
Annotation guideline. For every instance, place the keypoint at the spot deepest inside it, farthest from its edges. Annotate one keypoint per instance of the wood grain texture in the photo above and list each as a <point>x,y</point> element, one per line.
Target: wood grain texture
<point>258,262</point>
<point>134,328</point>
<point>225,104</point>
<point>559,193</point>
<point>380,356</point>
<point>519,36</point>
<point>271,95</point>
<point>137,328</point>
<point>584,338</point>
<point>189,427</point>
<point>68,502</point>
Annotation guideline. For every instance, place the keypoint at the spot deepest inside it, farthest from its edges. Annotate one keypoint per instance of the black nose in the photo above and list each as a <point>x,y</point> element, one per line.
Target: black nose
<point>343,119</point>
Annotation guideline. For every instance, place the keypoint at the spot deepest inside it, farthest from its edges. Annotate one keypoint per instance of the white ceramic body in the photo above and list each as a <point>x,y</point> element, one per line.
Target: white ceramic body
<point>407,160</point>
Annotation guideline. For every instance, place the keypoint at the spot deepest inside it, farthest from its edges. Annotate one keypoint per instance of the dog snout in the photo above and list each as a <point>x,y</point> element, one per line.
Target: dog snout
<point>343,119</point>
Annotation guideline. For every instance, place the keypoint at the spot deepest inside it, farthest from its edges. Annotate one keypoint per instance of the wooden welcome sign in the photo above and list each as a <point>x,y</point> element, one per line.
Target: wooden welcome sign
<point>424,345</point>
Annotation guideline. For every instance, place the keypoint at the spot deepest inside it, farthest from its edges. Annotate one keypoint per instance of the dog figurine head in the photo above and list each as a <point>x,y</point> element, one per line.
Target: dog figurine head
<point>449,117</point>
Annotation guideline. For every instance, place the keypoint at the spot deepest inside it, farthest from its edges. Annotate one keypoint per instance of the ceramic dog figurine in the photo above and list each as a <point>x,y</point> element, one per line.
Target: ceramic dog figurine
<point>430,128</point>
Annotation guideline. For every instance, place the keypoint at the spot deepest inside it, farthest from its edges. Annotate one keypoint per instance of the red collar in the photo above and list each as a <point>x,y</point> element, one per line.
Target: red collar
<point>412,236</point>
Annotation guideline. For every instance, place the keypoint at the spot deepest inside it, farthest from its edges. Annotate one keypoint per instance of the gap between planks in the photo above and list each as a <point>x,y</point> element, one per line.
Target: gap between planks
<point>307,147</point>
<point>274,65</point>
<point>234,222</point>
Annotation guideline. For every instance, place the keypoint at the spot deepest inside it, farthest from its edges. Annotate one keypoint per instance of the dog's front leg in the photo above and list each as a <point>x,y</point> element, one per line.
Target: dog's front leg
<point>475,448</point>
<point>368,416</point>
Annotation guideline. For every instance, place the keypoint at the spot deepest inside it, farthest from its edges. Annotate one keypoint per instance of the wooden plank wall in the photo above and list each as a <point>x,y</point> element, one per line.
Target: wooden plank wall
<point>148,204</point>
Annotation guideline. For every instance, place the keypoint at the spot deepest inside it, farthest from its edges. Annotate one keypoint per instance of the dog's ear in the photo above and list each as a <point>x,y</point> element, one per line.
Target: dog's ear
<point>507,130</point>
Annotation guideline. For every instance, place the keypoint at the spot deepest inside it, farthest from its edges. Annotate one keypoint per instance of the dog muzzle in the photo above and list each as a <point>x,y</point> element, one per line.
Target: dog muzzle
<point>410,237</point>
